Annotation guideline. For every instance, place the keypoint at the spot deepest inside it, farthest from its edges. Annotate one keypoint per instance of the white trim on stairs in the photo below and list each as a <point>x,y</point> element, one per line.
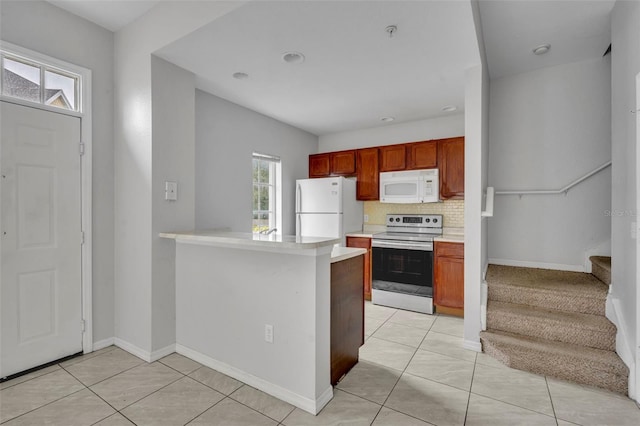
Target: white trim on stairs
<point>540,265</point>
<point>622,344</point>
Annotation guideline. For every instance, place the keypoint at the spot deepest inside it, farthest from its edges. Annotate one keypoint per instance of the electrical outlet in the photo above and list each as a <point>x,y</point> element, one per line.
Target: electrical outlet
<point>366,218</point>
<point>268,333</point>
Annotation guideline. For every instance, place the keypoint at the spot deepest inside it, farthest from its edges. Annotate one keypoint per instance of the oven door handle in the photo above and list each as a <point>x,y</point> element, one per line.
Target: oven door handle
<point>402,245</point>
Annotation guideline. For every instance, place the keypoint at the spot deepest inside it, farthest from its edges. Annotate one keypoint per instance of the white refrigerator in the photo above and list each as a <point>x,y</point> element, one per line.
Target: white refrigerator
<point>327,207</point>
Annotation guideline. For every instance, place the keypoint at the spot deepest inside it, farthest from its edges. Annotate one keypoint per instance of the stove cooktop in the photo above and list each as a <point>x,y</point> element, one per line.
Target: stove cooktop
<point>411,227</point>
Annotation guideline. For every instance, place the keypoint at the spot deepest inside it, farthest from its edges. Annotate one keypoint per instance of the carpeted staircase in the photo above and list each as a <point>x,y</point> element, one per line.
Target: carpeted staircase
<point>553,323</point>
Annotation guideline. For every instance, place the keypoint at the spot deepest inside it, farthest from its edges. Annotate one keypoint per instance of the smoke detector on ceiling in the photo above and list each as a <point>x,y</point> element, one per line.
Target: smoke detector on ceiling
<point>542,49</point>
<point>387,119</point>
<point>240,75</point>
<point>391,29</point>
<point>293,57</point>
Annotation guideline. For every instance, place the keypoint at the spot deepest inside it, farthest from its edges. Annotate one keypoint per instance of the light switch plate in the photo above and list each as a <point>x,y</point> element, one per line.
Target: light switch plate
<point>171,191</point>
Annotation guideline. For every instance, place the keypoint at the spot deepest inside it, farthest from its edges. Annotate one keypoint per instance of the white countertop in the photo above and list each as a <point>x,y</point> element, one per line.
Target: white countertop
<point>451,235</point>
<point>248,239</point>
<point>359,234</point>
<point>343,253</point>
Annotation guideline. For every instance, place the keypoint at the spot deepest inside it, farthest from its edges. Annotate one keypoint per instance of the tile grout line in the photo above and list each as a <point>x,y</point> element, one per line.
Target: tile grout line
<point>45,405</point>
<point>466,412</point>
<point>155,391</point>
<point>553,408</point>
<point>263,414</point>
<point>28,380</point>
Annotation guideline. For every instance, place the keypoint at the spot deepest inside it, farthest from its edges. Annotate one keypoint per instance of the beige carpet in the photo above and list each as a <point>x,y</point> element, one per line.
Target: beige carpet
<point>560,290</point>
<point>601,268</point>
<point>552,323</point>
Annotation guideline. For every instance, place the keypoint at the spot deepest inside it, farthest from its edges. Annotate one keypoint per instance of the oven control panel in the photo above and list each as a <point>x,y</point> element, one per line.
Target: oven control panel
<point>414,220</point>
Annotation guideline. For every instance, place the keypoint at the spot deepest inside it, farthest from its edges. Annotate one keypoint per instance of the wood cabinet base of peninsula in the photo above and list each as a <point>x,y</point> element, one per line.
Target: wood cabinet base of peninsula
<point>365,243</point>
<point>347,315</point>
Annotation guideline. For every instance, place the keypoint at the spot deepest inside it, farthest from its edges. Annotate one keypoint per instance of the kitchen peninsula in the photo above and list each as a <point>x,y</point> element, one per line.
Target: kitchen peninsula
<point>258,308</point>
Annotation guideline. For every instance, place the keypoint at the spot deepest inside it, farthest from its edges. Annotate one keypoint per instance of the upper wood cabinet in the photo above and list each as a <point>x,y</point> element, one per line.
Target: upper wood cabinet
<point>451,165</point>
<point>368,179</point>
<point>393,157</point>
<point>445,154</point>
<point>341,163</point>
<point>319,165</point>
<point>422,155</point>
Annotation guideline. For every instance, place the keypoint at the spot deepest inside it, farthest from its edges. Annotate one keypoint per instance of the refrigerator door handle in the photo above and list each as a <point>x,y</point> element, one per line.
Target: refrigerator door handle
<point>298,198</point>
<point>299,225</point>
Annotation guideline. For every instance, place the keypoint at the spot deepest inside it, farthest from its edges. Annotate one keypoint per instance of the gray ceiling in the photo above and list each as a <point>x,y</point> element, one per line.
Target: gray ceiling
<point>354,73</point>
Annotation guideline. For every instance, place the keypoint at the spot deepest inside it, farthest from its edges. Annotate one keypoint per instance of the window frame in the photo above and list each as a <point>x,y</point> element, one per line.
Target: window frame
<point>274,186</point>
<point>44,66</point>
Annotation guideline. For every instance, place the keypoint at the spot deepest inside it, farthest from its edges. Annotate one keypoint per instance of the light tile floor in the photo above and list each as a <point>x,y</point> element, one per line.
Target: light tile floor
<point>412,371</point>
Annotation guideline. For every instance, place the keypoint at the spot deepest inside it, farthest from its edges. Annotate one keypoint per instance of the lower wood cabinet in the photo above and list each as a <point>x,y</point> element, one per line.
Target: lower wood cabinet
<point>365,243</point>
<point>448,286</point>
<point>347,315</point>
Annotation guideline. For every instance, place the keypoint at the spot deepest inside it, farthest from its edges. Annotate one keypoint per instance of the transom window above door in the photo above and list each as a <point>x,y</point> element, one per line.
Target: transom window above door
<point>40,83</point>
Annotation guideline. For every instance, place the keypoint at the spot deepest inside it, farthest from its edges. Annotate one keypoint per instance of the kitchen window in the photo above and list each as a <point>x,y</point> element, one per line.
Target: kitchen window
<point>33,81</point>
<point>267,194</point>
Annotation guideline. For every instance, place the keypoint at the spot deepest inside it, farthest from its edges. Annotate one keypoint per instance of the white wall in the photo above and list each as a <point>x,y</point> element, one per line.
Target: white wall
<point>135,266</point>
<point>413,131</point>
<point>173,107</point>
<point>226,136</point>
<point>476,104</point>
<point>44,28</point>
<point>226,294</point>
<point>548,128</point>
<point>625,38</point>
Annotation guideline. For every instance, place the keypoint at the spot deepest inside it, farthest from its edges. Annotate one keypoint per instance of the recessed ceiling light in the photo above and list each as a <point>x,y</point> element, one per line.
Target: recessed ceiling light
<point>387,119</point>
<point>293,57</point>
<point>542,49</point>
<point>240,75</point>
<point>449,108</point>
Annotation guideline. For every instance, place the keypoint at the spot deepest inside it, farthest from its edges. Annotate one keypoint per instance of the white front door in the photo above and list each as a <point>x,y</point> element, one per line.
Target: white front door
<point>40,216</point>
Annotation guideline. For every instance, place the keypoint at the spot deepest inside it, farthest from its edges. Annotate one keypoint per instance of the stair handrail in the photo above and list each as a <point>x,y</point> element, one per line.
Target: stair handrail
<point>488,204</point>
<point>556,191</point>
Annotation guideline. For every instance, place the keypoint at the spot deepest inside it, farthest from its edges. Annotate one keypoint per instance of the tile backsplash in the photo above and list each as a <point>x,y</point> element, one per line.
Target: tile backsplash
<point>451,210</point>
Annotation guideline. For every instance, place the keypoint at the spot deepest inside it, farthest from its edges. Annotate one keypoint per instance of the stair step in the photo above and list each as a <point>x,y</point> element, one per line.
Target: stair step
<point>594,331</point>
<point>593,367</point>
<point>601,268</point>
<point>549,289</point>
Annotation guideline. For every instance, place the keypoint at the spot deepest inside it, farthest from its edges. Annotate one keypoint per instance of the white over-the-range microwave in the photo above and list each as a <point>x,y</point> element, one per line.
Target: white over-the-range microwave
<point>410,187</point>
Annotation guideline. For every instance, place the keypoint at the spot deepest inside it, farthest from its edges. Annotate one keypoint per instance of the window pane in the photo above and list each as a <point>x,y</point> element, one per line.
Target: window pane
<point>264,198</point>
<point>20,80</point>
<point>264,172</point>
<point>60,90</point>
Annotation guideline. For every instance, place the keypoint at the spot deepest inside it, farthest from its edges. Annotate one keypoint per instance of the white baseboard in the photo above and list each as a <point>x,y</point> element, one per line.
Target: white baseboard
<point>302,402</point>
<point>539,265</point>
<point>105,343</point>
<point>472,345</point>
<point>623,349</point>
<point>141,353</point>
<point>484,296</point>
<point>161,353</point>
<point>133,349</point>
